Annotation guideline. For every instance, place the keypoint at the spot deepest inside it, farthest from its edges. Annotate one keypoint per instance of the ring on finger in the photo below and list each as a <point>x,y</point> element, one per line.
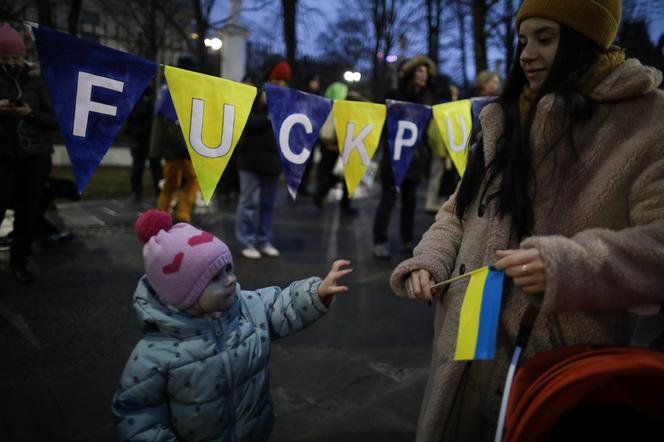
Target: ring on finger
<point>524,269</point>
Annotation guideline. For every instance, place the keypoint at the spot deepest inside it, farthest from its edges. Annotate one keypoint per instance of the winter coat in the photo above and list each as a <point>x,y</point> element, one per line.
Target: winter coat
<point>31,135</point>
<point>169,142</point>
<point>599,228</point>
<point>192,379</point>
<point>257,150</point>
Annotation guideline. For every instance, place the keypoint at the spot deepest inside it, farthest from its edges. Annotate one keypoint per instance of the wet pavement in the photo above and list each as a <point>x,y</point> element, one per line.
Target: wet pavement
<point>358,374</point>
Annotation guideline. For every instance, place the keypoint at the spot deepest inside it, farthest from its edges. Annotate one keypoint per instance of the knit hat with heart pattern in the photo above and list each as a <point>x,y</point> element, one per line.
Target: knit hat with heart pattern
<point>180,260</point>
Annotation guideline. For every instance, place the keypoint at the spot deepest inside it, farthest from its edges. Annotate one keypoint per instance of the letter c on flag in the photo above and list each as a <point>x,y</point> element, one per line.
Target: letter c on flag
<point>196,130</point>
<point>84,104</point>
<point>284,134</point>
<point>400,141</point>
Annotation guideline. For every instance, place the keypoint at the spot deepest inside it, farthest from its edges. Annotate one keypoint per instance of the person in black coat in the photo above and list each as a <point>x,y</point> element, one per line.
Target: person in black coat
<point>27,124</point>
<point>259,167</point>
<point>416,86</point>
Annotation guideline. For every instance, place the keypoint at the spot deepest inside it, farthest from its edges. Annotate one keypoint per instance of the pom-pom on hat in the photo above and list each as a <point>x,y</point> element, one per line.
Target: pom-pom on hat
<point>180,260</point>
<point>11,42</point>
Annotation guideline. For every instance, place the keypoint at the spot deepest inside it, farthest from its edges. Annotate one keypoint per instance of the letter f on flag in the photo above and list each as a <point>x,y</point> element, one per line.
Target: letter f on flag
<point>93,89</point>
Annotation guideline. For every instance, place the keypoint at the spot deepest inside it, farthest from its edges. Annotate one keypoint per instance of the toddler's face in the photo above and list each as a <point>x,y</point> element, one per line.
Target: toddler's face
<point>220,292</point>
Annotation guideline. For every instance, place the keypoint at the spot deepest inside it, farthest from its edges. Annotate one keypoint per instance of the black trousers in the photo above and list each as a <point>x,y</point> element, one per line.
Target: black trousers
<point>139,153</point>
<point>388,199</point>
<point>21,187</point>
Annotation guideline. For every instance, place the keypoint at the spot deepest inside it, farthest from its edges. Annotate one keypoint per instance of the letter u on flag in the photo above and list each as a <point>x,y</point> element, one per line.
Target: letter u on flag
<point>296,119</point>
<point>480,311</point>
<point>358,127</point>
<point>454,123</point>
<point>93,89</point>
<point>212,113</point>
<point>406,122</point>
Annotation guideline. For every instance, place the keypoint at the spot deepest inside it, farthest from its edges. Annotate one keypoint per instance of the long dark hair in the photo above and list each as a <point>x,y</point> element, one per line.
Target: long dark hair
<point>574,60</point>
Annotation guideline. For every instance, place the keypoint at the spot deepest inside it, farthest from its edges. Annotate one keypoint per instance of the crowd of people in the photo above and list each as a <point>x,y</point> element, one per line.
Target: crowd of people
<point>572,114</point>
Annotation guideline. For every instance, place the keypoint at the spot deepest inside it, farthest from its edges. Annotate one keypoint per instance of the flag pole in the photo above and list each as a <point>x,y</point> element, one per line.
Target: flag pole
<point>456,278</point>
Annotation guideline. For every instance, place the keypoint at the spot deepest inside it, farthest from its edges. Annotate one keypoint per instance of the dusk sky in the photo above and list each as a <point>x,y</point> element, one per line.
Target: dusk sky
<point>266,27</point>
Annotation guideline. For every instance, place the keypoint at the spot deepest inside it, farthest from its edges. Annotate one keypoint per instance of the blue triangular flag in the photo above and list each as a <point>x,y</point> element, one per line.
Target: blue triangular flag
<point>296,120</point>
<point>406,123</point>
<point>93,89</point>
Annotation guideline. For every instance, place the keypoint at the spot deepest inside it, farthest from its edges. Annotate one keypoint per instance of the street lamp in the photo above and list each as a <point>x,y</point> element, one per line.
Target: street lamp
<point>352,76</point>
<point>213,43</point>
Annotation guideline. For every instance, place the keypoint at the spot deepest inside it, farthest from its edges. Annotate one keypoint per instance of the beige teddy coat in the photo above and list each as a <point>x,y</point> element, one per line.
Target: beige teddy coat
<point>599,228</point>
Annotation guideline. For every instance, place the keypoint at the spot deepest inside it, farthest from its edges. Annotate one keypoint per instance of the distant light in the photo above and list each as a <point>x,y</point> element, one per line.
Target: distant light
<point>216,44</point>
<point>379,54</point>
<point>352,76</point>
<point>213,43</point>
<point>391,58</point>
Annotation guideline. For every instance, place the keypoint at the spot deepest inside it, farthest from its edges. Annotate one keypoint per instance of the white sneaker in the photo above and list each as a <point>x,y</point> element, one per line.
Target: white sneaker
<point>269,250</point>
<point>251,253</point>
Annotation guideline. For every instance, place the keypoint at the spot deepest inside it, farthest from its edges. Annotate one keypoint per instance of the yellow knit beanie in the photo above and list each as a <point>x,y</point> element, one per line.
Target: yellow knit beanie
<point>596,19</point>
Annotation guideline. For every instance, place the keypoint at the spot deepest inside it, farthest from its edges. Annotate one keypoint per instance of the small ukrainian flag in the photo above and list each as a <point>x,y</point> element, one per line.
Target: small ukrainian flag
<point>478,322</point>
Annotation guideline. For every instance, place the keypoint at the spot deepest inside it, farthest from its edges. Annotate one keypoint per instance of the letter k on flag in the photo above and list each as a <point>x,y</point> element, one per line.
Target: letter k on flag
<point>358,127</point>
<point>212,113</point>
<point>93,89</point>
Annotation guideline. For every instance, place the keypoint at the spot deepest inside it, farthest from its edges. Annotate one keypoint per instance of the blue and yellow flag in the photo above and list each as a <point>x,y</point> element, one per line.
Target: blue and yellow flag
<point>358,126</point>
<point>212,113</point>
<point>480,311</point>
<point>455,124</point>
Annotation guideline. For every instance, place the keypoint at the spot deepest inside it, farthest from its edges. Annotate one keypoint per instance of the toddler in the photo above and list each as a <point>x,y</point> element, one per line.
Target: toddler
<point>201,372</point>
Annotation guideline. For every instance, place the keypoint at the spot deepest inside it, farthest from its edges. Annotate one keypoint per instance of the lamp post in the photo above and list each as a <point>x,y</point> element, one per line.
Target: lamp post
<point>352,77</point>
<point>215,44</point>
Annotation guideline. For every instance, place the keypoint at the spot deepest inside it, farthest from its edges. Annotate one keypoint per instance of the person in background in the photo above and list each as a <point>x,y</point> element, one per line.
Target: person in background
<point>564,191</point>
<point>27,126</point>
<point>259,167</point>
<point>416,86</point>
<point>487,84</point>
<point>138,128</point>
<point>202,370</point>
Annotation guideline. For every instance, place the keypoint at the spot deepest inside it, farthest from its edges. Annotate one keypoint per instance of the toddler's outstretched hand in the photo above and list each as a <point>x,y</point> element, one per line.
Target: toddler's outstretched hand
<point>328,288</point>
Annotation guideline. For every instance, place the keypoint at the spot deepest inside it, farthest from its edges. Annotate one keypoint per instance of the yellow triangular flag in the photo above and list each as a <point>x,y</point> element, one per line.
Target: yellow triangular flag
<point>212,112</point>
<point>358,126</point>
<point>454,124</point>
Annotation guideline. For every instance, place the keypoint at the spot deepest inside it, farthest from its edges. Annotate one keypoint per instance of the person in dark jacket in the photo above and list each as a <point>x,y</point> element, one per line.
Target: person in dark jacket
<point>138,128</point>
<point>416,86</point>
<point>171,146</point>
<point>26,128</point>
<point>202,370</point>
<point>259,167</point>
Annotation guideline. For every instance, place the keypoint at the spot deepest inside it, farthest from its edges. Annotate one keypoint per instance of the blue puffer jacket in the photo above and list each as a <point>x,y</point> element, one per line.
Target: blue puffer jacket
<point>207,379</point>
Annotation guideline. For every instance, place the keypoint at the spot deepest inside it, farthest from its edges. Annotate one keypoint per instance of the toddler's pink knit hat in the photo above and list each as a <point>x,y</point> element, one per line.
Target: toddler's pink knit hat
<point>180,260</point>
<point>11,42</point>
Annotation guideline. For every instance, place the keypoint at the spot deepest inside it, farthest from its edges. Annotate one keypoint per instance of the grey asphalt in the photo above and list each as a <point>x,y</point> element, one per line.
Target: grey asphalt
<point>358,374</point>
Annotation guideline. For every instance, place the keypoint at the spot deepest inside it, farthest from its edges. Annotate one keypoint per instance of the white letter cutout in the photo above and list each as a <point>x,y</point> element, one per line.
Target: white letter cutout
<point>450,134</point>
<point>400,141</point>
<point>284,134</point>
<point>84,104</point>
<point>196,130</point>
<point>357,143</point>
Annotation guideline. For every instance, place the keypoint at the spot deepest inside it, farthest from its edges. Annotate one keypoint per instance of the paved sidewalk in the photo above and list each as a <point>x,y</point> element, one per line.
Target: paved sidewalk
<point>358,374</point>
